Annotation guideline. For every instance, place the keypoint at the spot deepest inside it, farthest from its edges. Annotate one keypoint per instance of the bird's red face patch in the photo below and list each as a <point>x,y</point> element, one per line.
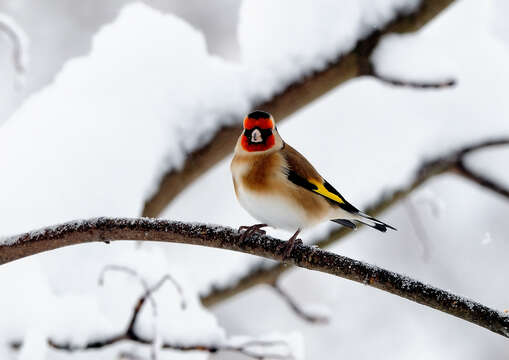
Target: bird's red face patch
<point>250,146</point>
<point>262,123</point>
<point>258,134</point>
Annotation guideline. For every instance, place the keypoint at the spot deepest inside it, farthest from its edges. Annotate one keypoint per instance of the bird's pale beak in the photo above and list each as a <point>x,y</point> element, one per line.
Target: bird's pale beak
<point>256,136</point>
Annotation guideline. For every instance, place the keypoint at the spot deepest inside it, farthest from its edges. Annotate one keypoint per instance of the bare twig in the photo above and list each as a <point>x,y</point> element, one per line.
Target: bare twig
<point>447,163</point>
<point>148,291</point>
<point>19,42</point>
<point>481,179</point>
<point>129,356</point>
<point>295,96</point>
<point>414,84</point>
<point>299,311</point>
<point>305,256</point>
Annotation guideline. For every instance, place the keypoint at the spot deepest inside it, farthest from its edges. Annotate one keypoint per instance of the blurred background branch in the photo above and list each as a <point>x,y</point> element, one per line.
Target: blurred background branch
<point>298,94</point>
<point>298,310</point>
<point>414,84</point>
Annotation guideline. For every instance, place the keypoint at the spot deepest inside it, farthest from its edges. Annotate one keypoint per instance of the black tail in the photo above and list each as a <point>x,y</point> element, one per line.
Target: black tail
<point>374,223</point>
<point>367,220</point>
<point>346,223</point>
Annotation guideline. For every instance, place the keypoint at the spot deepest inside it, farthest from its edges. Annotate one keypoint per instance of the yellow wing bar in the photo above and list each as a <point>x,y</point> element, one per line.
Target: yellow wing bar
<point>320,189</point>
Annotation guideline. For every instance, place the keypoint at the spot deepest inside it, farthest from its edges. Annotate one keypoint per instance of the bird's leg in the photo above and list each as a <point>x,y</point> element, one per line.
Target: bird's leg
<point>249,230</point>
<point>291,244</point>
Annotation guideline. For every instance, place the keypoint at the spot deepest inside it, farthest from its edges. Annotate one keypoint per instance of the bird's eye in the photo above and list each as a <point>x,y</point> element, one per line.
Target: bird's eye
<point>266,133</point>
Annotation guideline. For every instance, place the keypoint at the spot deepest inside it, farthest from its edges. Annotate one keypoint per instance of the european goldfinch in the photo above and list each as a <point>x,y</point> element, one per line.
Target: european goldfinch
<point>280,188</point>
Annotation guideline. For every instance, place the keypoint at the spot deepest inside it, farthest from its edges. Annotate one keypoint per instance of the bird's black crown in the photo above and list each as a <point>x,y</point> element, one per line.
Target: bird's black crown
<point>259,115</point>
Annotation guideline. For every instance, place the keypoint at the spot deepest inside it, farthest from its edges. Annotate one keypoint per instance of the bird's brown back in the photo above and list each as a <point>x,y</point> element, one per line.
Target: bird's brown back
<point>298,163</point>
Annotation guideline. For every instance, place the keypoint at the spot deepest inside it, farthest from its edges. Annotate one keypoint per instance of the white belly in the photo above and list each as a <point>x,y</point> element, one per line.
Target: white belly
<point>273,210</point>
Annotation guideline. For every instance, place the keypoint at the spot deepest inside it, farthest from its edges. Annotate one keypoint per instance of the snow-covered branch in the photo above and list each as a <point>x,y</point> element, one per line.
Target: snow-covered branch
<point>294,97</point>
<point>19,42</point>
<point>304,256</point>
<point>453,162</point>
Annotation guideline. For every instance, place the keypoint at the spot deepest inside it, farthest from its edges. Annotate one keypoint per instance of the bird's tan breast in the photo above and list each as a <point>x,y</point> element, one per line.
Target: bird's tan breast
<point>258,173</point>
<point>264,175</point>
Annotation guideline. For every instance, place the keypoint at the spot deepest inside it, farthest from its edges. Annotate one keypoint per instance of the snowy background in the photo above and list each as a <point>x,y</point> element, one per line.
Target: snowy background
<point>117,92</point>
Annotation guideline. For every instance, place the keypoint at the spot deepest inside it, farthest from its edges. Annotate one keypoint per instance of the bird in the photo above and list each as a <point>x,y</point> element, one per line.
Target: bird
<point>280,188</point>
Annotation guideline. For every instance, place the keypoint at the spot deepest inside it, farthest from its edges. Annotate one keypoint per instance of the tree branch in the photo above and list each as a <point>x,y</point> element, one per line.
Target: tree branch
<point>305,256</point>
<point>452,162</point>
<point>294,97</point>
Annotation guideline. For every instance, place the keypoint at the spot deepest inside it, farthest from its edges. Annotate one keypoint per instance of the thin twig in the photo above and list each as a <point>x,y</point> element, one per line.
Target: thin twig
<point>147,294</point>
<point>298,310</point>
<point>480,179</point>
<point>305,256</point>
<point>447,83</point>
<point>19,42</point>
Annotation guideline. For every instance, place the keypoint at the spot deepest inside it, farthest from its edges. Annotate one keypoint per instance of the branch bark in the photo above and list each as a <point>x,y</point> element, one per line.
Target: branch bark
<point>453,162</point>
<point>305,256</point>
<point>302,92</point>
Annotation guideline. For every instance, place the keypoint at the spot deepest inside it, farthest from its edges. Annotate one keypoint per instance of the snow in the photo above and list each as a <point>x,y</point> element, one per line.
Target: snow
<point>499,26</point>
<point>403,57</point>
<point>271,39</point>
<point>317,311</point>
<point>427,197</point>
<point>183,95</point>
<point>94,141</point>
<point>35,345</point>
<point>487,239</point>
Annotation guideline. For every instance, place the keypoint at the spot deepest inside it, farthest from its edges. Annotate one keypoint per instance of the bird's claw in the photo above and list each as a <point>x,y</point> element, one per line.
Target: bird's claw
<point>250,230</point>
<point>290,246</point>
